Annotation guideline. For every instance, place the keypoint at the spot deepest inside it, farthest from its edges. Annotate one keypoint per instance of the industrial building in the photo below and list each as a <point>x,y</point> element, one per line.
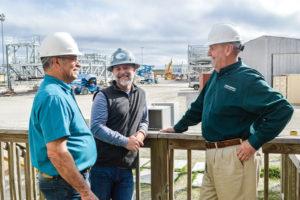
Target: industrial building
<point>273,56</point>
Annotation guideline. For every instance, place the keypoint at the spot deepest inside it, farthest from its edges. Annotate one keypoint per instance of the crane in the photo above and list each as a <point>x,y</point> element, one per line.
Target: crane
<point>168,71</point>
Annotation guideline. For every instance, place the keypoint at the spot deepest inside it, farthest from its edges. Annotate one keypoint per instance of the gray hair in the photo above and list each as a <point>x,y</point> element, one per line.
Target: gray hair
<point>46,62</point>
<point>238,47</point>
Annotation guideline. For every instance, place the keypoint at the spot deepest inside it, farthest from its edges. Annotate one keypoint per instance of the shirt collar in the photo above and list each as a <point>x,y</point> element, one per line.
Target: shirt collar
<point>63,85</point>
<point>231,67</point>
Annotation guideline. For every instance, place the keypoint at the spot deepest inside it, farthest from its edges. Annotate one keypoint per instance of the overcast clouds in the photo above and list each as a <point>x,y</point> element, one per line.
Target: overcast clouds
<point>163,27</point>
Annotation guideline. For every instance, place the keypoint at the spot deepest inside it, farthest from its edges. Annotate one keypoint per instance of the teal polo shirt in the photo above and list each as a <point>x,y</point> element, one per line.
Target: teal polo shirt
<point>54,115</point>
<point>238,103</point>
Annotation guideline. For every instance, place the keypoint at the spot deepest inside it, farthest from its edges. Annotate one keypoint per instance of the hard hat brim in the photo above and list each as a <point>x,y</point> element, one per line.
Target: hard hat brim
<point>62,54</point>
<point>222,42</point>
<point>134,65</point>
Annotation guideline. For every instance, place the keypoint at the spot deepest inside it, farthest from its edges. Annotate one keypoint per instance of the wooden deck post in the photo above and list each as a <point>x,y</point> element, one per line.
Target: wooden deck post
<point>266,176</point>
<point>189,174</point>
<point>171,175</point>
<point>160,169</point>
<point>283,175</point>
<point>293,174</point>
<point>137,180</point>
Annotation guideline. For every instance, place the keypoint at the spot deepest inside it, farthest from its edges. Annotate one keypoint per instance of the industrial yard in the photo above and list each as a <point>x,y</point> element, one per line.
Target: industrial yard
<point>169,49</point>
<point>15,111</point>
<point>176,85</point>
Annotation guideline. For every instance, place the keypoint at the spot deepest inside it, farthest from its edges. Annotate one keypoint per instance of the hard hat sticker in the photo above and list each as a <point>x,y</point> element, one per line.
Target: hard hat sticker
<point>120,56</point>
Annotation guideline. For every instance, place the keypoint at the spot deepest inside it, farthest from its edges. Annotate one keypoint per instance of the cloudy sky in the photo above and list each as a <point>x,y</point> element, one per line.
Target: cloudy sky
<point>161,29</point>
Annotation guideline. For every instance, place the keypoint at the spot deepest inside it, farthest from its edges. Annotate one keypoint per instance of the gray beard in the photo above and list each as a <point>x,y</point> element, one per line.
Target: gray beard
<point>123,83</point>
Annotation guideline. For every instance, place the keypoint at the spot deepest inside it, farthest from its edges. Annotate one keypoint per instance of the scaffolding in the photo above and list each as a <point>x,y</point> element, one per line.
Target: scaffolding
<point>23,61</point>
<point>198,61</point>
<point>95,63</point>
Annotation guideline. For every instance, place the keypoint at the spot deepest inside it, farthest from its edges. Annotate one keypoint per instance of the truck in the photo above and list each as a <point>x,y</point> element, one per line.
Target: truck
<point>194,84</point>
<point>198,82</point>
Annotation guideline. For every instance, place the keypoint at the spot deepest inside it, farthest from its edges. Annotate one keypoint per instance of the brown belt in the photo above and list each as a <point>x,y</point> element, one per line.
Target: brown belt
<point>224,143</point>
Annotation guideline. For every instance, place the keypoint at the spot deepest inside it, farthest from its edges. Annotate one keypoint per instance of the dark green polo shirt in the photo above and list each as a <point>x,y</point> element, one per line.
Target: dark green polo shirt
<point>238,103</point>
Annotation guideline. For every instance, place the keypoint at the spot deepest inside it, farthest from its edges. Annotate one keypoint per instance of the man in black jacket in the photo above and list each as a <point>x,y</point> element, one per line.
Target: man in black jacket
<point>119,123</point>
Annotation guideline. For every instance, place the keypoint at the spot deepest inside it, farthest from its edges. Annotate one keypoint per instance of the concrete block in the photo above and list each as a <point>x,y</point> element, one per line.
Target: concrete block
<point>174,110</point>
<point>190,96</point>
<point>159,117</point>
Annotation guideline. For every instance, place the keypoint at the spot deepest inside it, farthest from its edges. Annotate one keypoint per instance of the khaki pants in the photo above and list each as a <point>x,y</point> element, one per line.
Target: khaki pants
<point>227,178</point>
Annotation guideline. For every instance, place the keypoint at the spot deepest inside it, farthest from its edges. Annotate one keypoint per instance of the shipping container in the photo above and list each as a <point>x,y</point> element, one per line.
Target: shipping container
<point>293,94</point>
<point>279,84</point>
<point>288,85</point>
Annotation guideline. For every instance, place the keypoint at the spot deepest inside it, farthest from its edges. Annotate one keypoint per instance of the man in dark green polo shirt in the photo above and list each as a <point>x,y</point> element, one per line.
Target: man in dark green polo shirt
<point>239,112</point>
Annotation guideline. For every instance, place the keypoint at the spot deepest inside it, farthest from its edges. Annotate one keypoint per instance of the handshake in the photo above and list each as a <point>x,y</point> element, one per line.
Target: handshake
<point>135,141</point>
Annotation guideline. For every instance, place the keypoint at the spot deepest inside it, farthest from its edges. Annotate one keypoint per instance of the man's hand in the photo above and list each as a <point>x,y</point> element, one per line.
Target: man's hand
<point>88,196</point>
<point>133,144</point>
<point>168,130</point>
<point>140,136</point>
<point>245,151</point>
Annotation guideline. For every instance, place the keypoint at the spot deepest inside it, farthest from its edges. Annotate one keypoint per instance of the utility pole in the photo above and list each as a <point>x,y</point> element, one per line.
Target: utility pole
<point>8,71</point>
<point>2,19</point>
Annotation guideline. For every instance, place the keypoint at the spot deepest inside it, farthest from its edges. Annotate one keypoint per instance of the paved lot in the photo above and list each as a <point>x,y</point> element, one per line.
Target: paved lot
<point>15,110</point>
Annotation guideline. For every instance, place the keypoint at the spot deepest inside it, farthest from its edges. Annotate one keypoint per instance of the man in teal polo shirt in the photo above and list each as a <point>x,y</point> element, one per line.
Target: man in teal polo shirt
<point>62,147</point>
<point>239,112</point>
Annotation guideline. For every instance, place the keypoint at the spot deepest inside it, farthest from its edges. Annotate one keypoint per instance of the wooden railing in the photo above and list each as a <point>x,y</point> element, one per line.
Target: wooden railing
<point>290,178</point>
<point>14,159</point>
<point>287,146</point>
<point>17,176</point>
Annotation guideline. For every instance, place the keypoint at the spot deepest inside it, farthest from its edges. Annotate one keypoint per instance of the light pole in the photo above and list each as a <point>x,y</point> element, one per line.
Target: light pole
<point>2,19</point>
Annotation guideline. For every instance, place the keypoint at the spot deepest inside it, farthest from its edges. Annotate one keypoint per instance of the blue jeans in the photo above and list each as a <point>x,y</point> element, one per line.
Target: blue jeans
<point>57,188</point>
<point>112,183</point>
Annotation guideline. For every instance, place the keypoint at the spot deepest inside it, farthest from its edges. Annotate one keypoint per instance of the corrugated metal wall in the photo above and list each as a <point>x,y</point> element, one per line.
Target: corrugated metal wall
<point>286,64</point>
<point>255,56</point>
<point>273,55</point>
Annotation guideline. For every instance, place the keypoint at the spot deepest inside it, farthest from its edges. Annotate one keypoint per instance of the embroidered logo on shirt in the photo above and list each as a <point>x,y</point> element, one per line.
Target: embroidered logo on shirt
<point>228,87</point>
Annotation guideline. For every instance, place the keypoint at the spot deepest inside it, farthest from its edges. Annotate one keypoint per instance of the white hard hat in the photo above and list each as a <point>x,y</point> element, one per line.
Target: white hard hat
<point>223,33</point>
<point>122,56</point>
<point>59,44</point>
